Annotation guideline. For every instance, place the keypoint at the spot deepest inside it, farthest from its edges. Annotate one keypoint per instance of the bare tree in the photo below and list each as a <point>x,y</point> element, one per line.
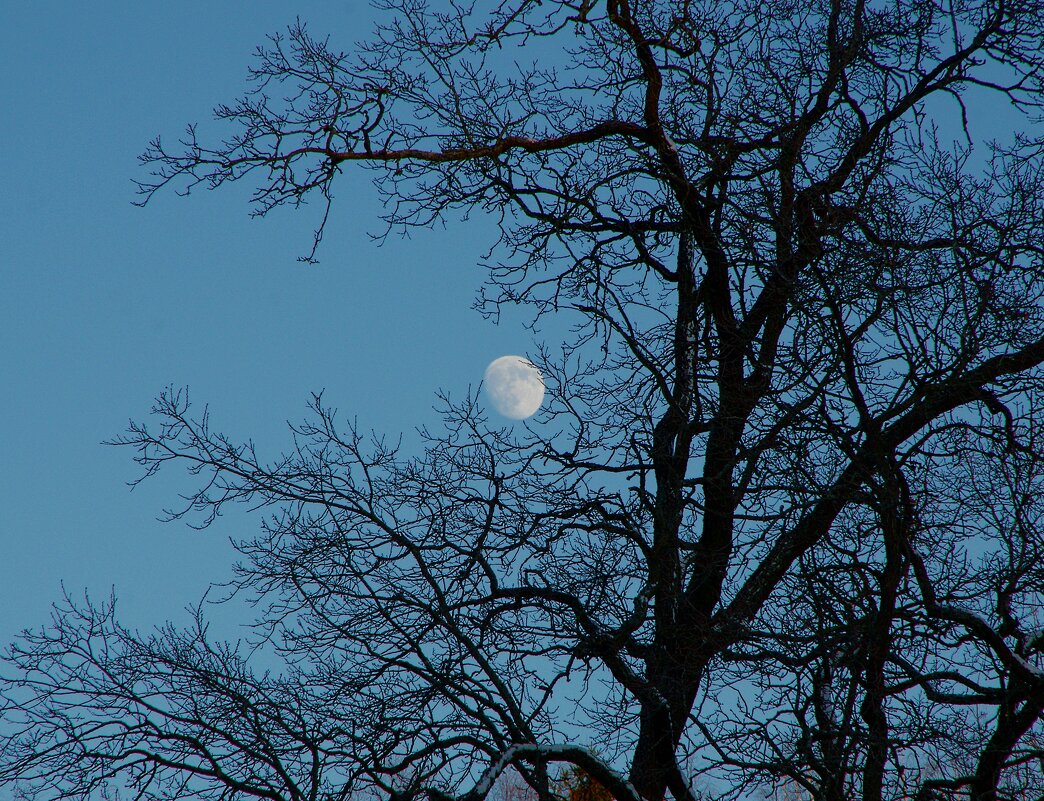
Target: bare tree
<point>779,530</point>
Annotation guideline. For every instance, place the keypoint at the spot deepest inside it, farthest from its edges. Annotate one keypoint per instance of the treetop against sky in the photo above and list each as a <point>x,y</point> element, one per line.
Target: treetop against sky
<point>776,528</point>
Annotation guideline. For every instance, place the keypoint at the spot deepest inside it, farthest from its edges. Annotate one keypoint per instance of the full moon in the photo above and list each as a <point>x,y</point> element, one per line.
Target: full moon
<point>515,386</point>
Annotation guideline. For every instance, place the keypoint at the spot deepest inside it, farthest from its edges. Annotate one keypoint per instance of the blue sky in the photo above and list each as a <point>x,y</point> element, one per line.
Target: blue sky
<point>103,304</point>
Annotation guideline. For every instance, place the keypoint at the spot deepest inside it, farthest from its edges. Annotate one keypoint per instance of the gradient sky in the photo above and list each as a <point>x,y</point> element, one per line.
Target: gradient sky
<point>103,304</point>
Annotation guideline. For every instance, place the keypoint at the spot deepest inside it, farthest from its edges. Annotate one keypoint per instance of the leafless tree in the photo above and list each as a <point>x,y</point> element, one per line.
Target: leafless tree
<point>779,530</point>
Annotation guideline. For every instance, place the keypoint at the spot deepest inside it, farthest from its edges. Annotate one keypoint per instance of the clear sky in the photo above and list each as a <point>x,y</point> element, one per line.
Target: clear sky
<point>103,304</point>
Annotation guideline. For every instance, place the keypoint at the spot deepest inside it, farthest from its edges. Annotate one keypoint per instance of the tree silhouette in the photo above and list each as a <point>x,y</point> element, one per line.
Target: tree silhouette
<point>779,530</point>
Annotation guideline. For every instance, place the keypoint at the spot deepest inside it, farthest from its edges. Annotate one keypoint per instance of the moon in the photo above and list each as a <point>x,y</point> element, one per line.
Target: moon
<point>515,386</point>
